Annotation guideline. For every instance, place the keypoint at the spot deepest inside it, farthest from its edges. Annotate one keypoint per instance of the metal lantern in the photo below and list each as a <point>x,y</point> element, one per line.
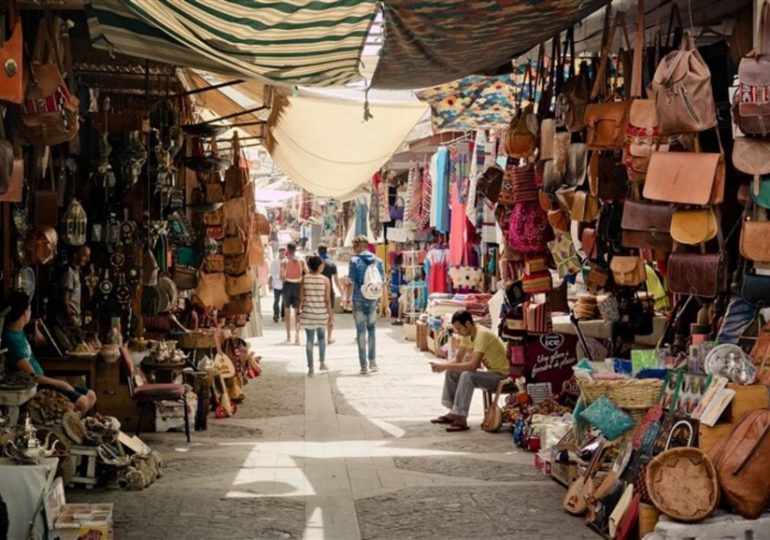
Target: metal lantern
<point>75,224</point>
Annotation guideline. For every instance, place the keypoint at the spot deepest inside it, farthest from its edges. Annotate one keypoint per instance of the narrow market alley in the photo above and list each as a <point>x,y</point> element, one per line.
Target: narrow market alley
<point>341,456</point>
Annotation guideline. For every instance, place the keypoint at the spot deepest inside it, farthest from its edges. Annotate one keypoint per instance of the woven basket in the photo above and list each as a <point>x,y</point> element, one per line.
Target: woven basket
<point>682,483</point>
<point>625,393</point>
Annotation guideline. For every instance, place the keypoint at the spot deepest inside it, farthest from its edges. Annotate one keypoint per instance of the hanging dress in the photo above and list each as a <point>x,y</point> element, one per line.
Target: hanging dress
<point>437,271</point>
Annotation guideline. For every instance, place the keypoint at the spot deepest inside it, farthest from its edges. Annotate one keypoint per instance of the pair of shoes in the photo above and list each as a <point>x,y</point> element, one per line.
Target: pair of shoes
<point>323,367</point>
<point>373,367</point>
<point>310,371</point>
<point>363,371</point>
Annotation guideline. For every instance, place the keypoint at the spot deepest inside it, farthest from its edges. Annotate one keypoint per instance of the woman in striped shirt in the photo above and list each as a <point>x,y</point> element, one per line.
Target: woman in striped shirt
<point>315,310</point>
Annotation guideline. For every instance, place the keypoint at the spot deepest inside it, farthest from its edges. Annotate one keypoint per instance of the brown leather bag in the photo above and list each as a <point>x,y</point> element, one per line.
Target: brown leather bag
<point>606,125</point>
<point>585,207</point>
<point>607,176</point>
<point>682,87</point>
<point>236,177</point>
<point>642,136</point>
<point>233,245</point>
<point>236,216</point>
<point>49,110</point>
<point>262,224</point>
<point>211,291</point>
<point>237,285</point>
<point>185,277</point>
<point>215,192</point>
<point>214,263</point>
<point>751,108</point>
<point>521,139</point>
<point>694,226</point>
<point>489,183</point>
<point>558,220</point>
<point>751,155</point>
<point>572,102</point>
<point>646,226</point>
<point>236,264</point>
<point>628,271</point>
<point>240,305</point>
<point>588,240</point>
<point>743,469</point>
<point>11,75</point>
<point>686,178</point>
<point>697,274</point>
<point>755,241</point>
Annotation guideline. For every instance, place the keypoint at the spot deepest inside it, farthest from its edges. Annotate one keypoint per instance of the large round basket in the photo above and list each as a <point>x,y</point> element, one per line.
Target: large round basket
<point>682,483</point>
<point>625,393</point>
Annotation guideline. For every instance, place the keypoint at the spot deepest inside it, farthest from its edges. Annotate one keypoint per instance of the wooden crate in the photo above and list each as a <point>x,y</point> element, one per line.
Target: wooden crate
<point>747,398</point>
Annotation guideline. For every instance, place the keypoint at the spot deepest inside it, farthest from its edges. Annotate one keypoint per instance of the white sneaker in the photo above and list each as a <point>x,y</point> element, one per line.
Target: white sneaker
<point>323,367</point>
<point>373,367</point>
<point>363,371</point>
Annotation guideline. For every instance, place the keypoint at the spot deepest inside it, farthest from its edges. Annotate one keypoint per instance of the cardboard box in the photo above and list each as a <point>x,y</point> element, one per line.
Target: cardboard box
<point>81,520</point>
<point>747,398</point>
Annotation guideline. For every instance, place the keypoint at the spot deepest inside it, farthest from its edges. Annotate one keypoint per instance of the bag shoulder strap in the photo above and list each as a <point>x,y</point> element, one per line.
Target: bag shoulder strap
<point>636,72</point>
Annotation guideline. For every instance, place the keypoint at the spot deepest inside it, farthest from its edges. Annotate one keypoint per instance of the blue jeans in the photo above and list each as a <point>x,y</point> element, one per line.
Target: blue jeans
<point>739,315</point>
<point>365,316</point>
<point>311,333</point>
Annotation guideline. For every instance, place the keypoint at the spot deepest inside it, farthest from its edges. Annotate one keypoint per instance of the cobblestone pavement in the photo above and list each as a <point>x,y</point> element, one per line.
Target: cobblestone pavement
<point>341,456</point>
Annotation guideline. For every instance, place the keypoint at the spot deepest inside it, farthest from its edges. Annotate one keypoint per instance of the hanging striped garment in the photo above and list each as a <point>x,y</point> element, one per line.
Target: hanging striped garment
<point>384,208</point>
<point>313,312</point>
<point>427,194</point>
<point>414,203</point>
<point>282,41</point>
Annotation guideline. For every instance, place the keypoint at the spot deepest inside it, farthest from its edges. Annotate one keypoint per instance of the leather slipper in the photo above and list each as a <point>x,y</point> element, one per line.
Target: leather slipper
<point>442,420</point>
<point>456,427</point>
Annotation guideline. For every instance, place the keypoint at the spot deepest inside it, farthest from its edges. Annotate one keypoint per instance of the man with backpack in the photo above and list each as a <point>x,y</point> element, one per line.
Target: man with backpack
<point>292,270</point>
<point>367,274</point>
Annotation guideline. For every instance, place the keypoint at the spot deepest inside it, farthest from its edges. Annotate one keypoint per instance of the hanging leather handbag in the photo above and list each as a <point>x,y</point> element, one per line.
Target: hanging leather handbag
<point>236,216</point>
<point>577,164</point>
<point>694,227</point>
<point>236,177</point>
<point>236,264</point>
<point>751,109</point>
<point>215,217</point>
<point>240,305</point>
<point>6,166</point>
<point>684,101</point>
<point>49,110</point>
<point>751,155</point>
<point>237,285</point>
<point>585,207</point>
<point>558,220</point>
<point>589,243</point>
<point>646,226</point>
<point>255,250</point>
<point>11,74</point>
<point>185,277</point>
<point>628,271</point>
<point>489,183</point>
<point>597,278</point>
<point>521,139</point>
<point>547,139</point>
<point>686,178</point>
<point>697,274</point>
<point>642,136</point>
<point>214,263</point>
<point>755,241</point>
<point>575,95</point>
<point>607,176</point>
<point>606,125</point>
<point>211,291</point>
<point>233,245</point>
<point>262,225</point>
<point>215,192</point>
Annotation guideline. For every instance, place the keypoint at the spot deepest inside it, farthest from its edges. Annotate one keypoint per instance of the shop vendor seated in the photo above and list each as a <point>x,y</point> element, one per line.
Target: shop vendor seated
<point>479,347</point>
<point>21,358</point>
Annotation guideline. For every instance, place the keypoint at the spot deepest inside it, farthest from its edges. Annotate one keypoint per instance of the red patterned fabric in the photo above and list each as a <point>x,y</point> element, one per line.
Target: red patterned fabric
<point>528,231</point>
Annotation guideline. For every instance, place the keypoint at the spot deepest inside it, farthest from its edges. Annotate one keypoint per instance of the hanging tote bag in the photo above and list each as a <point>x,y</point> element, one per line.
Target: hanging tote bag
<point>49,111</point>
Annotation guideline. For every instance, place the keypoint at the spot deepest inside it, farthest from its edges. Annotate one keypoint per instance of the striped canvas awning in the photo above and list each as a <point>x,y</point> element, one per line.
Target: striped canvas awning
<point>316,43</point>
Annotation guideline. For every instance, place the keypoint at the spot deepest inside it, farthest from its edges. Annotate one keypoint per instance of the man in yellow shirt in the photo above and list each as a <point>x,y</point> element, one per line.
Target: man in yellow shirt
<point>479,347</point>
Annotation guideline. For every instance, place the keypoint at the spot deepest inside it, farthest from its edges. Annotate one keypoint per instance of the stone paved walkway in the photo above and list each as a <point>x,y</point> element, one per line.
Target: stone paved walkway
<point>341,456</point>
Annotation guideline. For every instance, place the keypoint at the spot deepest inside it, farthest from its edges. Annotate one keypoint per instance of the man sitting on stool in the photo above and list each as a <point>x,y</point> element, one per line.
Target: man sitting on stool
<point>479,346</point>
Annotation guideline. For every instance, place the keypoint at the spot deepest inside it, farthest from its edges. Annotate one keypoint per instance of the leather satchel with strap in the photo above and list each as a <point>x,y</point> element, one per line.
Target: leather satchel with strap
<point>572,101</point>
<point>50,110</point>
<point>493,416</point>
<point>521,139</point>
<point>699,274</point>
<point>628,271</point>
<point>606,122</point>
<point>751,108</point>
<point>236,177</point>
<point>646,226</point>
<point>694,226</point>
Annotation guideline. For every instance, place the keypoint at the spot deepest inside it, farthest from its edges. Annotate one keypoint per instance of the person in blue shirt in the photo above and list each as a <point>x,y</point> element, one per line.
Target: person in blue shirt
<point>397,278</point>
<point>364,310</point>
<point>21,358</point>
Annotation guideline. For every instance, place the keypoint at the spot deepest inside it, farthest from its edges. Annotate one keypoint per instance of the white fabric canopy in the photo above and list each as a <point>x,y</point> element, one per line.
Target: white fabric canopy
<point>325,146</point>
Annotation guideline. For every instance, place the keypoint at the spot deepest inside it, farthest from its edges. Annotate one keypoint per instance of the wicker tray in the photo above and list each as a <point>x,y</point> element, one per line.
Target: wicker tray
<point>625,393</point>
<point>682,483</point>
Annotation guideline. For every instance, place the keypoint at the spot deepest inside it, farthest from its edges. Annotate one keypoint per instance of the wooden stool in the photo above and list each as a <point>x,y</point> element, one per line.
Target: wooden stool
<point>85,466</point>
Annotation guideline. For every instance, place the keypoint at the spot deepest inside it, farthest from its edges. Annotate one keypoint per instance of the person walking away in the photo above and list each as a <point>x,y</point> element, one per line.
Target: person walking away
<point>365,306</point>
<point>292,270</point>
<point>397,279</point>
<point>315,311</point>
<point>275,283</point>
<point>479,347</point>
<point>330,271</point>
